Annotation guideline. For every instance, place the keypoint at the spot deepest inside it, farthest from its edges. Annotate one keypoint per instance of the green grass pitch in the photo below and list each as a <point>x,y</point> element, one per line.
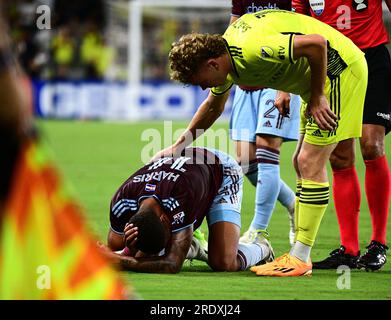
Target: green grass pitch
<point>96,157</point>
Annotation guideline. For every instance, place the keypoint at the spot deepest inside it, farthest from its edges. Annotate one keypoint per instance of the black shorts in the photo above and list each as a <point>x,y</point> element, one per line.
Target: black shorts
<point>377,108</point>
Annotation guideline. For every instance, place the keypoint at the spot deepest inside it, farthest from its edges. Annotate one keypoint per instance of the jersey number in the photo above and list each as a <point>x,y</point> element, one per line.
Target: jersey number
<point>177,165</point>
<point>268,113</point>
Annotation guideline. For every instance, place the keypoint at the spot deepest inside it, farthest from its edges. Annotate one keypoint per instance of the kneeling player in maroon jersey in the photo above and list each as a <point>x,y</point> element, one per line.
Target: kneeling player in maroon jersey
<point>155,211</point>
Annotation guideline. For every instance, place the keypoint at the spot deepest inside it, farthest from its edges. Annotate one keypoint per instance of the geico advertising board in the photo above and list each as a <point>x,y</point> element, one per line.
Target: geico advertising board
<point>118,101</point>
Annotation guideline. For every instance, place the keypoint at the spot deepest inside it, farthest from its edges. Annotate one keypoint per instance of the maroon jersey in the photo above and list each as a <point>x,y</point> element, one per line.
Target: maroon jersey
<point>241,7</point>
<point>359,20</point>
<point>185,188</point>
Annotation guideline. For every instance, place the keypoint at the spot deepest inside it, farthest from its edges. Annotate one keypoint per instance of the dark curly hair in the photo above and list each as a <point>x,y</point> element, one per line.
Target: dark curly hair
<point>151,237</point>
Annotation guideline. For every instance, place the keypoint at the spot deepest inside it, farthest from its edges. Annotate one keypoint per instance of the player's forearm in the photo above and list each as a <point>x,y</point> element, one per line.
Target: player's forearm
<point>318,66</point>
<point>314,48</point>
<point>209,111</point>
<point>149,264</point>
<point>204,118</point>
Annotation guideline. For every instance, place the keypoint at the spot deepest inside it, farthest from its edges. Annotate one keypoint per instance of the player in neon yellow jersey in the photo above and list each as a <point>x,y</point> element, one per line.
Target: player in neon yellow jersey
<point>292,53</point>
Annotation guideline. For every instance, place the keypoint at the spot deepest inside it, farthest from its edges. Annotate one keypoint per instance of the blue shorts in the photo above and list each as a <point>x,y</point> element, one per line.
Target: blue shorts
<point>253,112</point>
<point>227,203</point>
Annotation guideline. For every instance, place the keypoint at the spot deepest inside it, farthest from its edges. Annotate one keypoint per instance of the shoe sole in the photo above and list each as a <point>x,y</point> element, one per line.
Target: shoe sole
<point>307,273</point>
<point>367,268</point>
<point>333,268</point>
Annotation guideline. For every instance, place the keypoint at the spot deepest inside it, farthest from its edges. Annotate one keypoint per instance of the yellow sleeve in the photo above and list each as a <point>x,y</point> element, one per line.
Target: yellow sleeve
<point>218,91</point>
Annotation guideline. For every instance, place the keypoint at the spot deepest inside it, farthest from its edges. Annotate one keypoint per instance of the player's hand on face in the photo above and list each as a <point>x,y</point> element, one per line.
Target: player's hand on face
<point>130,238</point>
<point>319,109</point>
<point>282,103</point>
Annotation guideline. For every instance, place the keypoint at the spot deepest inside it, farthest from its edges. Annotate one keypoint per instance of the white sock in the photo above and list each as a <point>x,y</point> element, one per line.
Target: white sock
<point>301,251</point>
<point>193,250</point>
<point>250,254</point>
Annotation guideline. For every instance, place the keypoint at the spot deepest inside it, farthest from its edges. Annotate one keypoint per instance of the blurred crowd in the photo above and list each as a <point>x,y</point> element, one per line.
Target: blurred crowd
<point>74,47</point>
<point>164,27</point>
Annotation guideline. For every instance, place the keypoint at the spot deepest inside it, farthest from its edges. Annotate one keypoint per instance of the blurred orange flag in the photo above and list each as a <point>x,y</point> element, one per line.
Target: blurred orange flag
<point>46,252</point>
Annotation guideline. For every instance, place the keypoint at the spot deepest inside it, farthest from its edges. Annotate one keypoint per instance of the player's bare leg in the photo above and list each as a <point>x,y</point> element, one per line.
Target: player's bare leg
<point>223,246</point>
<point>377,173</point>
<point>226,254</point>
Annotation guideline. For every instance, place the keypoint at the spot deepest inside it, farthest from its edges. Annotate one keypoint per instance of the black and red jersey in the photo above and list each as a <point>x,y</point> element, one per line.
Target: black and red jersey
<point>184,186</point>
<point>359,20</point>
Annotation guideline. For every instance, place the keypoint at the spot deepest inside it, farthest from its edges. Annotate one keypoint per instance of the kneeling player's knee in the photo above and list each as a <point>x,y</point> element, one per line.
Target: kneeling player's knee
<point>223,263</point>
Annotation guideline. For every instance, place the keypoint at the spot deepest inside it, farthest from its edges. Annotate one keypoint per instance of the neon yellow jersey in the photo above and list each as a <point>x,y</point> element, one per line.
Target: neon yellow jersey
<point>261,49</point>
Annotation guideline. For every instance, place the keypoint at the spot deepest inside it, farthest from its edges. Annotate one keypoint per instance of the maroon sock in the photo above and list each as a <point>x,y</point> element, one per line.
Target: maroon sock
<point>378,190</point>
<point>347,200</point>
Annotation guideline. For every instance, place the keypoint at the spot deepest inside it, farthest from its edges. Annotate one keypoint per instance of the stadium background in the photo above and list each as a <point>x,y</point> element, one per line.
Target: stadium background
<point>98,82</point>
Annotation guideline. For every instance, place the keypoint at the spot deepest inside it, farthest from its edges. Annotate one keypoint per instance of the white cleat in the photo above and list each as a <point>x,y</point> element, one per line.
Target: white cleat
<point>261,239</point>
<point>196,252</point>
<point>248,236</point>
<point>200,236</point>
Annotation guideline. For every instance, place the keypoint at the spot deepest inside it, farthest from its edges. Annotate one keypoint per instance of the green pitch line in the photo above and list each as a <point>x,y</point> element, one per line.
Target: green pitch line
<point>97,157</point>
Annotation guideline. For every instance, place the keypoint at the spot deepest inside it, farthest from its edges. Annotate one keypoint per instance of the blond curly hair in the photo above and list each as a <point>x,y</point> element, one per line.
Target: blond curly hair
<point>188,53</point>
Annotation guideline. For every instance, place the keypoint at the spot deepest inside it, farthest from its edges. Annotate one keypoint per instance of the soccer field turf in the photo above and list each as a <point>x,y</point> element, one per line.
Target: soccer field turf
<point>97,157</point>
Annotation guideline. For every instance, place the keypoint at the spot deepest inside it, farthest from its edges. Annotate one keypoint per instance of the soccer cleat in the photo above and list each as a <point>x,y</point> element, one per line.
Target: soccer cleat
<point>267,265</point>
<point>200,236</point>
<point>251,234</point>
<point>337,258</point>
<point>284,266</point>
<point>248,236</point>
<point>196,252</point>
<point>261,238</point>
<point>374,258</point>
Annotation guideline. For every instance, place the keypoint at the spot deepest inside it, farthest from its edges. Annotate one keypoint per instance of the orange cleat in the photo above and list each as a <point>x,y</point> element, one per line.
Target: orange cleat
<point>284,266</point>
